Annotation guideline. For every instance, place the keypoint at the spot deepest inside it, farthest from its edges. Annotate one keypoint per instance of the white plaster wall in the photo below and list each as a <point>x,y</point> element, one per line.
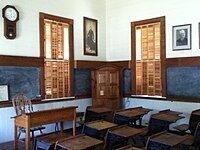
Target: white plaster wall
<point>120,14</point>
<point>157,105</point>
<point>7,124</point>
<point>27,41</point>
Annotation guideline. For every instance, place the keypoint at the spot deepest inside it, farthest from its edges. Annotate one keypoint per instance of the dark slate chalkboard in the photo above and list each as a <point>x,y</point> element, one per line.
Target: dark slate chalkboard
<point>127,88</point>
<point>82,82</point>
<point>183,82</point>
<point>21,79</point>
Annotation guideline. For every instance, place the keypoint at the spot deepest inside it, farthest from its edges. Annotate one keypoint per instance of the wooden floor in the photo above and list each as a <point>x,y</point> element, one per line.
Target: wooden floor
<point>10,145</point>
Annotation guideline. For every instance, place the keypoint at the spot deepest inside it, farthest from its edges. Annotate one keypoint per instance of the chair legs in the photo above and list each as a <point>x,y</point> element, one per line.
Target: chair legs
<point>19,135</point>
<point>41,131</point>
<point>33,140</point>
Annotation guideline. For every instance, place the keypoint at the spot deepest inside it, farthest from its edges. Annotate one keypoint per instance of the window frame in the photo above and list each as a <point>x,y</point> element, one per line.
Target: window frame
<point>43,16</point>
<point>162,52</point>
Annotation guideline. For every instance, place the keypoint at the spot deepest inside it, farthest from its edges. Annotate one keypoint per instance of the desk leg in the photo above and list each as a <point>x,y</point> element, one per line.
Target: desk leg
<point>61,127</point>
<point>15,137</point>
<point>74,127</point>
<point>140,121</point>
<point>28,138</point>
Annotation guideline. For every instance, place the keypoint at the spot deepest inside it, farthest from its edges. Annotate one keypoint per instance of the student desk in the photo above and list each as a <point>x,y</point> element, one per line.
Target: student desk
<point>170,112</point>
<point>169,139</point>
<point>29,120</point>
<point>129,147</point>
<point>197,112</point>
<point>171,118</point>
<point>100,110</point>
<point>79,142</point>
<point>126,131</point>
<point>96,113</point>
<point>48,141</point>
<point>98,128</point>
<point>100,125</point>
<point>134,113</point>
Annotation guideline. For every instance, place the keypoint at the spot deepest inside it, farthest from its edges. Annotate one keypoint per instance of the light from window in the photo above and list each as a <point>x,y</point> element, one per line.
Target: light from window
<point>148,62</point>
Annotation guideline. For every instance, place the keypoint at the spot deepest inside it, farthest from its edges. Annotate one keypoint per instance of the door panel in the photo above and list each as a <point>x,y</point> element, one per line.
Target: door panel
<point>114,77</point>
<point>101,77</point>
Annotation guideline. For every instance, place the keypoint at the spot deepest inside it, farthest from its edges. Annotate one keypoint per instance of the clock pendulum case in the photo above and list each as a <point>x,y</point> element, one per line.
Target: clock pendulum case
<point>11,16</point>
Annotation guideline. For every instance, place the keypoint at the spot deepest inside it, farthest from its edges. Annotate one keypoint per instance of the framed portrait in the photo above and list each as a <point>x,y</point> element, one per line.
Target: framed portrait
<point>182,37</point>
<point>90,36</point>
<point>199,35</point>
<point>4,96</point>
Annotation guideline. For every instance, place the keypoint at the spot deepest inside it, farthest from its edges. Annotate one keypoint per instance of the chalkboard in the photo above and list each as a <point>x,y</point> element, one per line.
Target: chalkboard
<point>127,88</point>
<point>21,79</point>
<point>183,82</point>
<point>82,82</point>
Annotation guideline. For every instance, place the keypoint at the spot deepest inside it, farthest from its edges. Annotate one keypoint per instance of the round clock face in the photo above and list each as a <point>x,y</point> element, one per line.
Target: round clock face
<point>11,14</point>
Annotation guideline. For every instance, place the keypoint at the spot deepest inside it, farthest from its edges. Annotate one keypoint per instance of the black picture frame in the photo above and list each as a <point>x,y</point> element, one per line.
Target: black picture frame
<point>199,35</point>
<point>182,37</point>
<point>90,28</point>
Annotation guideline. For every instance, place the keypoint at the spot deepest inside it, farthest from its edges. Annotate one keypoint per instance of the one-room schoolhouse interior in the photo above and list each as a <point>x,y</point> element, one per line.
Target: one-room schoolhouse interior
<point>99,75</point>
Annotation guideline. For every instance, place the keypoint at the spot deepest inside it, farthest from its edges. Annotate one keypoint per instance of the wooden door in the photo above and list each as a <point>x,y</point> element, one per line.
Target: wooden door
<point>106,87</point>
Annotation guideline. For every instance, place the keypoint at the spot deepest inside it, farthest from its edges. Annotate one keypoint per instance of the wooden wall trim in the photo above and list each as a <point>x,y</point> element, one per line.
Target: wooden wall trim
<point>183,99</point>
<point>96,64</point>
<point>167,99</point>
<point>123,64</point>
<point>182,62</point>
<point>88,64</point>
<point>21,61</point>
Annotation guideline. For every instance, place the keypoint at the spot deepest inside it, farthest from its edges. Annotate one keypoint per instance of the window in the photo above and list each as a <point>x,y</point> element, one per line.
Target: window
<point>148,53</point>
<point>57,50</point>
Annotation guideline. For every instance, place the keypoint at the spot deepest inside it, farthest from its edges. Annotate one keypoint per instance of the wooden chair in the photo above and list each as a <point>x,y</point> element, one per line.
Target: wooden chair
<point>193,121</point>
<point>193,141</point>
<point>22,105</point>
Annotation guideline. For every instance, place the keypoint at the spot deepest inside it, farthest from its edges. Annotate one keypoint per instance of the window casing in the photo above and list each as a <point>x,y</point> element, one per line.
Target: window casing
<point>56,35</point>
<point>148,55</point>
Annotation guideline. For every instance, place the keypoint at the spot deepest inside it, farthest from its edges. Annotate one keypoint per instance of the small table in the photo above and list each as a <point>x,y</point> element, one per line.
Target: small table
<point>126,131</point>
<point>168,139</point>
<point>79,142</point>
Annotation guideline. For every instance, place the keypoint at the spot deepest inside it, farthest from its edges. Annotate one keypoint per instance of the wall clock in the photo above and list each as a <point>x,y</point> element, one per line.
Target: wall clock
<point>11,16</point>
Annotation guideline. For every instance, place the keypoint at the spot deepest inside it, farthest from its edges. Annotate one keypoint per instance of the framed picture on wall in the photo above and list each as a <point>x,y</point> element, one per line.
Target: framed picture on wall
<point>90,36</point>
<point>181,37</point>
<point>4,92</point>
<point>199,35</point>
